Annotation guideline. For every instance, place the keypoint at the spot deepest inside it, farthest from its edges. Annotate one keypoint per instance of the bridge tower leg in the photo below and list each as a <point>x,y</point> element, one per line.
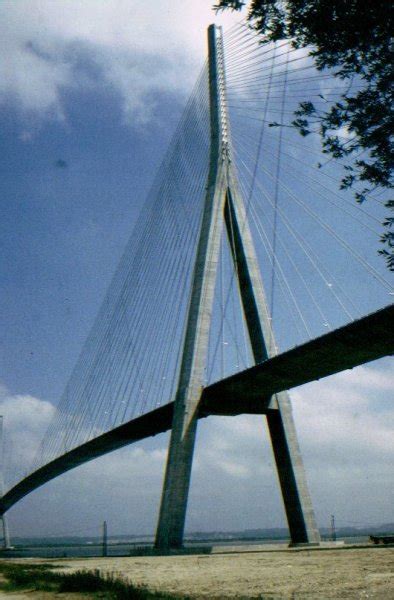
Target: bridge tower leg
<point>224,204</point>
<point>295,493</point>
<point>191,378</point>
<point>6,533</point>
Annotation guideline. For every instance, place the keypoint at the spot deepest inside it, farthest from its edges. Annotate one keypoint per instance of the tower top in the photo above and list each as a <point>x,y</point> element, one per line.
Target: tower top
<point>217,91</point>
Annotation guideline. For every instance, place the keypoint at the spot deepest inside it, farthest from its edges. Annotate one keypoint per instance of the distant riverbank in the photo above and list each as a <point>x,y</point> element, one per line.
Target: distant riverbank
<point>91,549</point>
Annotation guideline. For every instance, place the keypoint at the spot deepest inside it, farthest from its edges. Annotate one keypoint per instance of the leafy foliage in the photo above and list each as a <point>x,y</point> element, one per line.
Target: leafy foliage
<point>353,37</point>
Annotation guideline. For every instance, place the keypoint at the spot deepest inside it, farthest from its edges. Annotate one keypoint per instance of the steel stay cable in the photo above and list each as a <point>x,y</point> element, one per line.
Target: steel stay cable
<point>362,261</point>
<point>247,59</point>
<point>238,41</point>
<point>175,323</point>
<point>306,148</point>
<point>247,76</point>
<point>247,67</point>
<point>315,260</point>
<point>238,27</point>
<point>299,273</point>
<point>241,48</point>
<point>256,99</point>
<point>349,201</point>
<point>258,79</point>
<point>297,81</point>
<point>281,214</point>
<point>261,230</point>
<point>246,111</point>
<point>245,98</point>
<point>147,341</point>
<point>234,29</point>
<point>330,200</point>
<point>287,126</point>
<point>282,280</point>
<point>303,243</point>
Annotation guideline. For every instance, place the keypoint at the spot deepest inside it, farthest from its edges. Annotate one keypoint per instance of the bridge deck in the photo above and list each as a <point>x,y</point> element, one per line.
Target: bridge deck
<point>359,342</point>
<point>362,341</point>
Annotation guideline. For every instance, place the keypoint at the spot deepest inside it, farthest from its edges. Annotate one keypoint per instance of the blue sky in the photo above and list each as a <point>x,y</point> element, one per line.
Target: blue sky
<point>71,193</point>
<point>89,100</point>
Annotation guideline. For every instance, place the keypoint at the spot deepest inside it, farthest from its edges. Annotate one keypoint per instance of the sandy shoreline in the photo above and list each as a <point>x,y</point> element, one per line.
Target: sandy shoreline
<point>294,574</point>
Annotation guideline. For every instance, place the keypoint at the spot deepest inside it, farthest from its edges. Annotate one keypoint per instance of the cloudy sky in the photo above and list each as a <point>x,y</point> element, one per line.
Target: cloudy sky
<point>90,93</point>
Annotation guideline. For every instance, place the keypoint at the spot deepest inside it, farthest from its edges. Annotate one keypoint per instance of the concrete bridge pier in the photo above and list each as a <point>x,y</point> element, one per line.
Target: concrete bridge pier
<point>6,533</point>
<point>291,473</point>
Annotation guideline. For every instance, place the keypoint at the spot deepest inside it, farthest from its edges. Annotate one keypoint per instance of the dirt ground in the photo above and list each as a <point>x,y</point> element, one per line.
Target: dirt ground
<point>286,574</point>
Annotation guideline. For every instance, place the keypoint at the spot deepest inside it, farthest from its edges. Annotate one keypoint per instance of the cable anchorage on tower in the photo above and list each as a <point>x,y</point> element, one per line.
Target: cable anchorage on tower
<point>223,119</point>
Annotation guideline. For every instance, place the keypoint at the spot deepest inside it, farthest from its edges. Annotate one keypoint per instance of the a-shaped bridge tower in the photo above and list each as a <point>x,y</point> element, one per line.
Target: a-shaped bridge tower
<point>224,207</point>
<point>148,365</point>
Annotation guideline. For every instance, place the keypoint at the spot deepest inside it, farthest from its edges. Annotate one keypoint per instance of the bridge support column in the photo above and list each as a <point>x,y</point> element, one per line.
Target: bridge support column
<point>295,493</point>
<point>192,371</point>
<point>6,533</point>
<point>177,482</point>
<point>180,456</point>
<point>291,474</point>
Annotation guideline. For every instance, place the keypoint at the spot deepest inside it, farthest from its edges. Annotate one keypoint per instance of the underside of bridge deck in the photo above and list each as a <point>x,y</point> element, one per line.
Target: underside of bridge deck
<point>362,341</point>
<point>359,342</point>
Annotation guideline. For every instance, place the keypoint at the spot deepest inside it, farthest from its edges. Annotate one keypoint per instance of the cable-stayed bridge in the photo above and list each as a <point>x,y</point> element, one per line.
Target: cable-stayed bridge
<point>187,328</point>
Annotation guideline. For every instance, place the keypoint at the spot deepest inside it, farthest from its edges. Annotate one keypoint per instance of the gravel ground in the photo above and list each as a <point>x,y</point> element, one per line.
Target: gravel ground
<point>285,574</point>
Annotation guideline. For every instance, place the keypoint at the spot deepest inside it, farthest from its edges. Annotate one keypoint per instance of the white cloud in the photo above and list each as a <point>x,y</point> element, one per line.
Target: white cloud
<point>343,414</point>
<point>25,421</point>
<point>139,48</point>
<point>345,426</point>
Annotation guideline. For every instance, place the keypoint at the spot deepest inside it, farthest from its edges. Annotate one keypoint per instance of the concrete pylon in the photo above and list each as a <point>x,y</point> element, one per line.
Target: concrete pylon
<point>177,478</point>
<point>224,206</point>
<point>291,473</point>
<point>6,533</point>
